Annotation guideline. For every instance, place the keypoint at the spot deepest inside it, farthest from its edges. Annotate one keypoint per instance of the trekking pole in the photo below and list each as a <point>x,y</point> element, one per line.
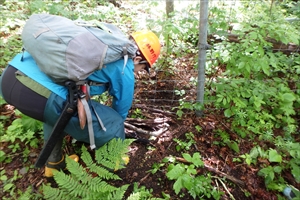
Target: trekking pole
<point>57,132</point>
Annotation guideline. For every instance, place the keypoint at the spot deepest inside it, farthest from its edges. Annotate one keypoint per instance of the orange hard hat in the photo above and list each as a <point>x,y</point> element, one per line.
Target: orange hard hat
<point>148,44</point>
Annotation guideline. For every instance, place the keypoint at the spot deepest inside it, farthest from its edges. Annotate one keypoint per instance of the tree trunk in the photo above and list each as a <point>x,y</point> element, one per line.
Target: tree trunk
<point>169,7</point>
<point>169,10</point>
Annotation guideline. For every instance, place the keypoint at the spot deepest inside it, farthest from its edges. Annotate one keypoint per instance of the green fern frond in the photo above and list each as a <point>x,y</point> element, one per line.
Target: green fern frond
<point>118,194</point>
<point>103,173</point>
<point>25,196</point>
<point>134,196</point>
<point>69,184</point>
<point>95,183</point>
<point>54,193</point>
<point>98,185</point>
<point>139,195</point>
<point>81,183</point>
<point>86,156</point>
<point>100,171</point>
<point>78,172</point>
<point>111,153</point>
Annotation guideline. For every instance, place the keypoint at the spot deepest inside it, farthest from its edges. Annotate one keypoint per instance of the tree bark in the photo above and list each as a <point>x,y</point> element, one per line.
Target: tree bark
<point>169,7</point>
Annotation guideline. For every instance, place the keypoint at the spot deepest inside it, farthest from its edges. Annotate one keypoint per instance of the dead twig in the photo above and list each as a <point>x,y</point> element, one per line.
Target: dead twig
<point>211,169</point>
<point>277,45</point>
<point>224,186</point>
<point>153,109</point>
<point>148,122</point>
<point>143,179</point>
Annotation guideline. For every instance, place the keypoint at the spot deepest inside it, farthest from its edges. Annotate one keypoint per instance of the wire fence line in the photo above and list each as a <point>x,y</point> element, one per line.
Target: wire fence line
<point>168,93</point>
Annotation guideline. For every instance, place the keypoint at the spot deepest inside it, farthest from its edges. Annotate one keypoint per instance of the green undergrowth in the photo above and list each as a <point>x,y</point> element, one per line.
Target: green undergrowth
<point>251,81</point>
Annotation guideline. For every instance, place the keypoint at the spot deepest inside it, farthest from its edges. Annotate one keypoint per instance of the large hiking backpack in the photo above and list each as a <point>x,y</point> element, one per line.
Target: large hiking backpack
<point>69,50</point>
<point>72,50</point>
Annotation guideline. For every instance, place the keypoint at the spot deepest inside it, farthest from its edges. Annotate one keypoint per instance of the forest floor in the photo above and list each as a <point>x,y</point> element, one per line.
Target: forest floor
<point>240,180</point>
<point>240,177</point>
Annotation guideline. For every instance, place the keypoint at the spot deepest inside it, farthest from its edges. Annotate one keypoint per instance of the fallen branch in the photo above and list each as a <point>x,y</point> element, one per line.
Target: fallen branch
<point>277,45</point>
<point>153,109</point>
<point>148,122</point>
<point>143,179</point>
<point>211,169</point>
<point>224,186</point>
<point>164,128</point>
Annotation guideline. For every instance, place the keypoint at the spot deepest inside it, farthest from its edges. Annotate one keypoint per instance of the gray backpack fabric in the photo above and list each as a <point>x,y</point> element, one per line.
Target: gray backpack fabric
<point>72,50</point>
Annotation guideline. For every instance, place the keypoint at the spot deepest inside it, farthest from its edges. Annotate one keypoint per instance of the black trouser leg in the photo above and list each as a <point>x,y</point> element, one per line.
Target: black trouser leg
<point>23,98</point>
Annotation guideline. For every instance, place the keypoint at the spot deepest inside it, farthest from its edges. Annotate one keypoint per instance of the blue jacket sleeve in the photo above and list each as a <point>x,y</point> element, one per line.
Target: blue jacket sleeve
<point>120,84</point>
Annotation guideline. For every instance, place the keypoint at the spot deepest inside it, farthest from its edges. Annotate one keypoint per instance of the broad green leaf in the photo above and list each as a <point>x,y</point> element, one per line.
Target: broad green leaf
<point>250,49</point>
<point>187,181</point>
<point>228,99</point>
<point>268,173</point>
<point>245,94</point>
<point>274,156</point>
<point>220,99</point>
<point>277,169</point>
<point>191,170</point>
<point>288,97</point>
<point>240,103</point>
<point>261,50</point>
<point>179,113</point>
<point>253,35</point>
<point>297,69</point>
<point>249,161</point>
<point>32,124</point>
<point>296,172</point>
<point>224,101</point>
<point>197,161</point>
<point>176,172</point>
<point>178,185</point>
<point>248,67</point>
<point>241,65</point>
<point>234,146</point>
<point>295,153</point>
<point>8,186</point>
<point>187,157</point>
<point>228,112</point>
<point>233,84</point>
<point>254,152</point>
<point>3,178</point>
<point>2,156</point>
<point>266,68</point>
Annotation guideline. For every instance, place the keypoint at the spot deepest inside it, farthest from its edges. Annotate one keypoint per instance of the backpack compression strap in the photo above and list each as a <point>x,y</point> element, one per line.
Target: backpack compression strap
<point>88,89</point>
<point>89,114</point>
<point>89,123</point>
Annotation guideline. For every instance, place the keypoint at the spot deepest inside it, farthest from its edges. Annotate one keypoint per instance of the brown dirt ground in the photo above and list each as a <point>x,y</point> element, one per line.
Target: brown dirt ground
<point>142,158</point>
<point>218,159</point>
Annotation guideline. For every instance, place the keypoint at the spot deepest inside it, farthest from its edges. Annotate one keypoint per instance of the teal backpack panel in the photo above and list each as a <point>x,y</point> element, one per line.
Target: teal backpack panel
<point>72,50</point>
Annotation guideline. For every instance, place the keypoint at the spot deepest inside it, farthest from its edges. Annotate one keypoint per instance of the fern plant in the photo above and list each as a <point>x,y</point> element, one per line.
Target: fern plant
<point>89,181</point>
